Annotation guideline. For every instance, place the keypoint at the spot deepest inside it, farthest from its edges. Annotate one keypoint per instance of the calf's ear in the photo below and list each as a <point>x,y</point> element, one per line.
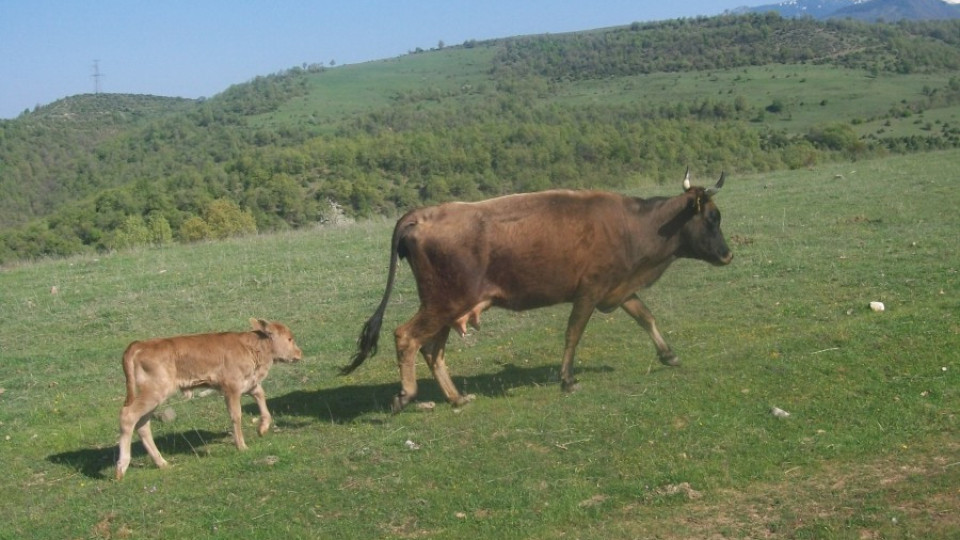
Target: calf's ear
<point>259,325</point>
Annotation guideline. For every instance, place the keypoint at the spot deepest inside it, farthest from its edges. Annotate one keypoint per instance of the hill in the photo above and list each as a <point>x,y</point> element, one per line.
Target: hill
<point>612,108</point>
<point>44,154</point>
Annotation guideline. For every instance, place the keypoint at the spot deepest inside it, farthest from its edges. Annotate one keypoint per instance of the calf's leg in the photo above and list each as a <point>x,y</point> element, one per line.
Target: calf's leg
<point>136,415</point>
<point>265,418</point>
<point>146,437</point>
<point>640,313</point>
<point>232,397</point>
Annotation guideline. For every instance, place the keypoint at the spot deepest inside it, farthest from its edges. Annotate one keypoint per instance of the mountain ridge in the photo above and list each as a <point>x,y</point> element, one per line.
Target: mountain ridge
<point>864,10</point>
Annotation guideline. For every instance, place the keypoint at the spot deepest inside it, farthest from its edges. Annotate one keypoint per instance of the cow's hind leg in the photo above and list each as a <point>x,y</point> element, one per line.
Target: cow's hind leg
<point>642,315</point>
<point>410,337</point>
<point>433,353</point>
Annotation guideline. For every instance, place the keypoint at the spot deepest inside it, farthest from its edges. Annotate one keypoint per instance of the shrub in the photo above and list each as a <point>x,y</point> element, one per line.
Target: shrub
<point>226,219</point>
<point>194,229</point>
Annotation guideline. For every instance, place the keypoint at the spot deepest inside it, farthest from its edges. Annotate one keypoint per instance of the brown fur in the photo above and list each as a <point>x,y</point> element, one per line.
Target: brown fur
<point>589,248</point>
<point>233,362</point>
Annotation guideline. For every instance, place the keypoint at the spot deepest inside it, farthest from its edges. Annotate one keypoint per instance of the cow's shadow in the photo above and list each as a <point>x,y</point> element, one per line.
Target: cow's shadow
<point>344,404</point>
<point>338,405</point>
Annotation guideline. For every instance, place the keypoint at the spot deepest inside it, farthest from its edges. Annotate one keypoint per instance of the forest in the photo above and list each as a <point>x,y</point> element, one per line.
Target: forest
<point>103,172</point>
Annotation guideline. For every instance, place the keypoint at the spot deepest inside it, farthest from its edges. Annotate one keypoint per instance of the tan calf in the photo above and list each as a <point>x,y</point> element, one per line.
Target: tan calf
<point>233,362</point>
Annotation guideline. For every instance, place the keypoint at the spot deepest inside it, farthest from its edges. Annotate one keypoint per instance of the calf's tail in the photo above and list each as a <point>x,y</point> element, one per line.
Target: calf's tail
<point>129,372</point>
<point>370,333</point>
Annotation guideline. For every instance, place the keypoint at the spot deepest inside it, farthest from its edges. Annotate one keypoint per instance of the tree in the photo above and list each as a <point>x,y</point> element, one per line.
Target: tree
<point>133,232</point>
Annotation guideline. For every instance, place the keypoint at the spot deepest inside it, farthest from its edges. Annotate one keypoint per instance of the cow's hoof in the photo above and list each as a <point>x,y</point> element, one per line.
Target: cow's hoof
<point>570,387</point>
<point>669,359</point>
<point>399,402</point>
<point>463,400</point>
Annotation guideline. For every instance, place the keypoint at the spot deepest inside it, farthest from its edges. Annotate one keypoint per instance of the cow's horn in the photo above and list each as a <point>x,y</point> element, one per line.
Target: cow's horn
<point>713,191</point>
<point>686,180</point>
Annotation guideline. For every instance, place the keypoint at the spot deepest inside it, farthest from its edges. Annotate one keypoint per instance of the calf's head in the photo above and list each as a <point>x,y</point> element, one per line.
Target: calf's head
<point>282,346</point>
<point>701,237</point>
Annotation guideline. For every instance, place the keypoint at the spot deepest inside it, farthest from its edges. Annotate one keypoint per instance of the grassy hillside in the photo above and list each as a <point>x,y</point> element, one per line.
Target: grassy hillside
<point>869,449</point>
<point>46,155</point>
<point>614,108</point>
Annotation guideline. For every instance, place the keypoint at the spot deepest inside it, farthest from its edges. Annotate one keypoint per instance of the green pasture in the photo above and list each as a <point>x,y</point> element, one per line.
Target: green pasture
<point>344,91</point>
<point>809,94</point>
<point>870,448</point>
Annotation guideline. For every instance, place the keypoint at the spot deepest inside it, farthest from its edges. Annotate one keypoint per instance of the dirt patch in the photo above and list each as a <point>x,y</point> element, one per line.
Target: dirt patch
<point>905,494</point>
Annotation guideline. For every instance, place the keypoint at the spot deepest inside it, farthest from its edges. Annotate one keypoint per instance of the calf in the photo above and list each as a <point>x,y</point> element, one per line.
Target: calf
<point>233,362</point>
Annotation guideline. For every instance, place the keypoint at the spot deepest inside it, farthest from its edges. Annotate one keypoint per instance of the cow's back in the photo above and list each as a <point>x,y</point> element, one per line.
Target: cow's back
<point>521,251</point>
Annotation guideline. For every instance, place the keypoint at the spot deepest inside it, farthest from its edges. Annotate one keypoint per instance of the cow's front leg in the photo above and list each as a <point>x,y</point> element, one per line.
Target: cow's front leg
<point>642,315</point>
<point>265,419</point>
<point>579,317</point>
<point>433,353</point>
<point>232,398</point>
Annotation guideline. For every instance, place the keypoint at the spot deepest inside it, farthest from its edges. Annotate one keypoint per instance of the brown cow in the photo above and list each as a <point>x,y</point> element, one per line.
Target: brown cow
<point>233,362</point>
<point>590,248</point>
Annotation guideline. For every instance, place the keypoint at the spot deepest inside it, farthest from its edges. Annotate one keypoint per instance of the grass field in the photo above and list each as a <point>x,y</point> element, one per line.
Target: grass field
<point>810,95</point>
<point>350,90</point>
<point>870,449</point>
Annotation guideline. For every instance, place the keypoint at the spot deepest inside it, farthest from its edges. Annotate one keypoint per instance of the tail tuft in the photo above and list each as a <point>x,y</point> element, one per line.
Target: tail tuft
<point>366,343</point>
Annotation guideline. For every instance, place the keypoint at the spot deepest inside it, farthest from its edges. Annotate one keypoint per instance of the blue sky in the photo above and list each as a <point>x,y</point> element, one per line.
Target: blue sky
<point>200,47</point>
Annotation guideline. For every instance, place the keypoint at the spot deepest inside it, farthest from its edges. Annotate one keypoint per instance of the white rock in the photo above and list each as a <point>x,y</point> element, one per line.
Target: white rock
<point>426,405</point>
<point>779,413</point>
<point>877,306</point>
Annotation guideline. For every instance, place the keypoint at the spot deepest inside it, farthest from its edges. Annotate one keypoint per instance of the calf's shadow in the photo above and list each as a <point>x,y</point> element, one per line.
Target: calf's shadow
<point>100,462</point>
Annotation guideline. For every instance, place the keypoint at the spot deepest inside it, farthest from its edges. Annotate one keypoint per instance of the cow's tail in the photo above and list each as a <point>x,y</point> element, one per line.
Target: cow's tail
<point>370,333</point>
<point>130,372</point>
